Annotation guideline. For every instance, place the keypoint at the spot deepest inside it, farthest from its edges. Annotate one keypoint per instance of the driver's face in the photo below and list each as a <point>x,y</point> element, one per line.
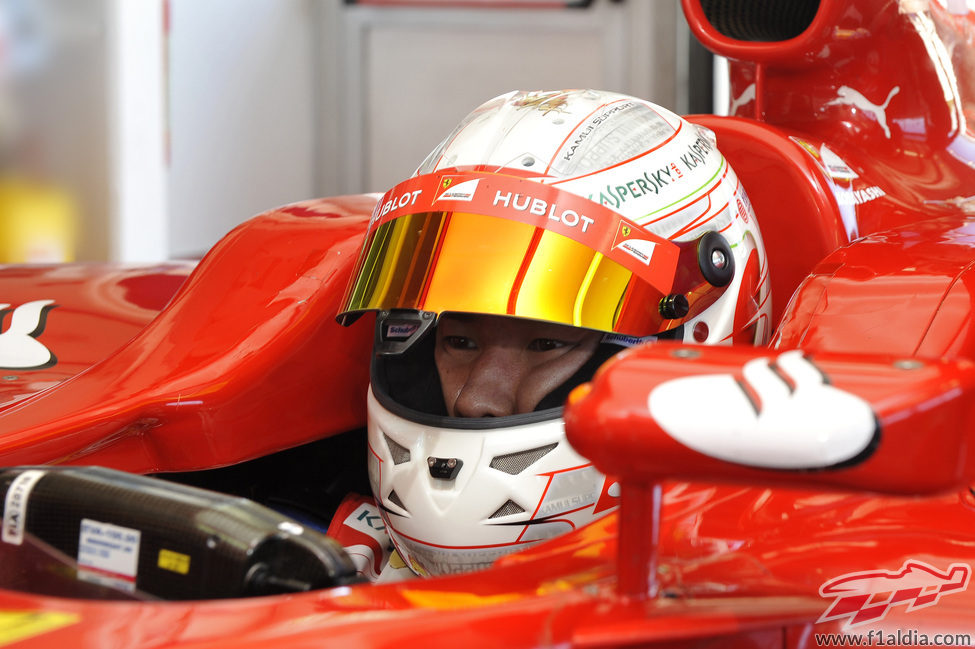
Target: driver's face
<point>492,366</point>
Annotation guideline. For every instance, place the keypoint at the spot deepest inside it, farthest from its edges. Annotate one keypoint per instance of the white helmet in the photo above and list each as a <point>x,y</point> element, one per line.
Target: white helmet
<point>584,208</point>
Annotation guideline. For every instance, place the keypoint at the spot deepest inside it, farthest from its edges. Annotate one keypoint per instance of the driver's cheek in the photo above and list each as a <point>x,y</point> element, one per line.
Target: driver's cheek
<point>535,385</point>
<point>547,374</point>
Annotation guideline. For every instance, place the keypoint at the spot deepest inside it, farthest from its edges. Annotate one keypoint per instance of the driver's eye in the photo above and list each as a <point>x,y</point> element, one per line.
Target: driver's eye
<point>459,342</point>
<point>545,344</point>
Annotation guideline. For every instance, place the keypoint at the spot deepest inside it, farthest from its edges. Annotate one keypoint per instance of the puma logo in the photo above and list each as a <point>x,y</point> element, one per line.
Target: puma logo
<point>19,347</point>
<point>746,96</point>
<point>849,96</point>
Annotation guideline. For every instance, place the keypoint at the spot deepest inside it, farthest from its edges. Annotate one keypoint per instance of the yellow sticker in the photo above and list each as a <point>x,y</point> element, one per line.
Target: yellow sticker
<point>452,600</point>
<point>174,561</point>
<point>20,625</point>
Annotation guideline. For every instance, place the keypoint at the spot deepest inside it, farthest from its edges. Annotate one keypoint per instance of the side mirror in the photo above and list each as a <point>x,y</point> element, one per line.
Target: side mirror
<point>757,416</point>
<point>753,415</point>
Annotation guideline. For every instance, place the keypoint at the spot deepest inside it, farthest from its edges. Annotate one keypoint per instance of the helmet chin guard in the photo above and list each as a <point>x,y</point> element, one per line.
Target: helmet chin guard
<point>455,499</point>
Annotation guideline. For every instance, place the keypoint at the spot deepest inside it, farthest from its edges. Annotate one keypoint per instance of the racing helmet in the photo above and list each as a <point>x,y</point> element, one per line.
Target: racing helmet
<point>583,208</point>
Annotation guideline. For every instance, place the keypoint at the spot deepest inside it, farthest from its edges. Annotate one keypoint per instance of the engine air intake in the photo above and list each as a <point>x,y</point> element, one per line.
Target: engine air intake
<point>760,20</point>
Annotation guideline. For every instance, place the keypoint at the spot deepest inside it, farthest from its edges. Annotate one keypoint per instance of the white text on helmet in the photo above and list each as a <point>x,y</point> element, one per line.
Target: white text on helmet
<point>593,123</point>
<point>541,207</point>
<point>408,198</point>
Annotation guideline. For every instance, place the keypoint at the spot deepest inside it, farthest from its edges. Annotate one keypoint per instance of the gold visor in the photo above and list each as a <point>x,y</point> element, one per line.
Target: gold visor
<point>503,255</point>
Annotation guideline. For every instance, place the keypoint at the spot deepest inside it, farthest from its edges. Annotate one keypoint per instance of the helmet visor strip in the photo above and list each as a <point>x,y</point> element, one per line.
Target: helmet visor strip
<point>503,245</point>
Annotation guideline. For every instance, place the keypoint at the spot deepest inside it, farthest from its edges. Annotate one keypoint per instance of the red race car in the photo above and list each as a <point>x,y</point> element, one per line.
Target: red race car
<point>169,431</point>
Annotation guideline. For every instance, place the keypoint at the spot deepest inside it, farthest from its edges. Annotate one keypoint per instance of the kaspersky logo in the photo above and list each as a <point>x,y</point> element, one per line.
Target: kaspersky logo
<point>867,596</point>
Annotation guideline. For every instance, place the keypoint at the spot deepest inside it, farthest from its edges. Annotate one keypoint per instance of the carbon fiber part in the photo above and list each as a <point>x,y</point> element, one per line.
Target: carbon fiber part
<point>190,543</point>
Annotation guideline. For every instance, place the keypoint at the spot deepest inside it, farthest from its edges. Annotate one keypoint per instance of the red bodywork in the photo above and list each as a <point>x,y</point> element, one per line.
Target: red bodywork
<point>864,195</point>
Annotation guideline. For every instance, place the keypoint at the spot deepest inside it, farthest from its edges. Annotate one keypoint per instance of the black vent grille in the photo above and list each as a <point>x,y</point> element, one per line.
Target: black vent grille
<point>399,453</point>
<point>760,20</point>
<point>515,463</point>
<point>396,500</point>
<point>510,507</point>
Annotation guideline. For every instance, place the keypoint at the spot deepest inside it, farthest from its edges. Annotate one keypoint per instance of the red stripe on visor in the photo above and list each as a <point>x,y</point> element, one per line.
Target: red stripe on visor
<point>502,245</point>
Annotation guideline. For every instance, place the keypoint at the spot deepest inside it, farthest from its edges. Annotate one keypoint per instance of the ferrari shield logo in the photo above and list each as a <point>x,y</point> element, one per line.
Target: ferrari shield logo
<point>463,191</point>
<point>636,247</point>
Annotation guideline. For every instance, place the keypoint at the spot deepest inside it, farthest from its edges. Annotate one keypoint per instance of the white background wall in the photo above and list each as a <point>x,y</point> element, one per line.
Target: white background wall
<point>137,221</point>
<point>242,113</point>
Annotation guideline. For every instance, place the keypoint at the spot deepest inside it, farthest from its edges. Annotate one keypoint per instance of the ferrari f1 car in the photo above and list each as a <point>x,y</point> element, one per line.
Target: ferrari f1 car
<point>166,429</point>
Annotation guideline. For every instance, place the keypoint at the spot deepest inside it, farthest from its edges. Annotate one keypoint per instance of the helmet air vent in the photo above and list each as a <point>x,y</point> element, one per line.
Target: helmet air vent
<point>515,463</point>
<point>507,509</point>
<point>399,453</point>
<point>394,498</point>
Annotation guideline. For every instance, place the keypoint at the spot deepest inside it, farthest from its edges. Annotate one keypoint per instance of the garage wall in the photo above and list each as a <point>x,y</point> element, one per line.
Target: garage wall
<point>171,121</point>
<point>410,75</point>
<point>279,100</point>
<point>242,114</point>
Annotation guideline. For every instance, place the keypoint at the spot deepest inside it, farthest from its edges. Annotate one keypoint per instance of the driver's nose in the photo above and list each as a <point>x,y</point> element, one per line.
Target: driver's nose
<point>491,386</point>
